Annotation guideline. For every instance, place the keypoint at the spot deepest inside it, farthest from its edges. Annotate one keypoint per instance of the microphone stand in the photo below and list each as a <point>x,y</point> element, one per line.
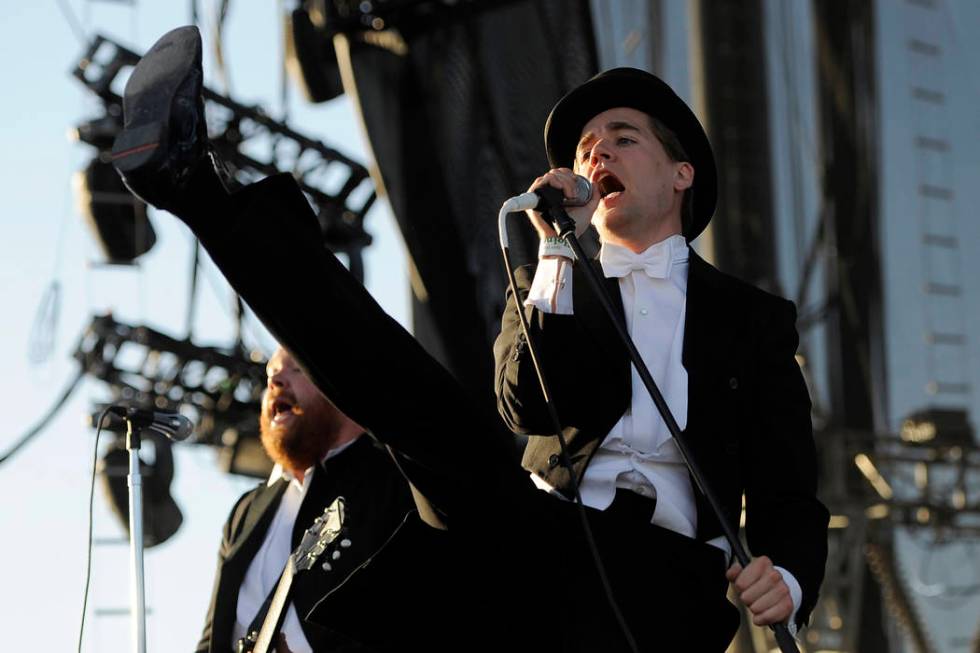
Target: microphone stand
<point>136,590</point>
<point>515,204</point>
<point>565,227</point>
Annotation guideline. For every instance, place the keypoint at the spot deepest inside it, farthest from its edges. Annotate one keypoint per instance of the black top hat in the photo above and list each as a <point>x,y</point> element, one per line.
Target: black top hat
<point>636,89</point>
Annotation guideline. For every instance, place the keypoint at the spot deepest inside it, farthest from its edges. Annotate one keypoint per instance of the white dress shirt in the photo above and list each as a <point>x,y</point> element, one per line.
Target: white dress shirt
<point>638,453</point>
<point>267,565</point>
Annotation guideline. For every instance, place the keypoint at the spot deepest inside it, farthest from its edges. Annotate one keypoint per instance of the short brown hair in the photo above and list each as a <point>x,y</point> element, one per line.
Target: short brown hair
<point>674,150</point>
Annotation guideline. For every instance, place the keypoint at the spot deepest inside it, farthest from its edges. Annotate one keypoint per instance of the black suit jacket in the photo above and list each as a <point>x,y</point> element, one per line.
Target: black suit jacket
<point>378,502</point>
<point>515,557</point>
<point>748,408</point>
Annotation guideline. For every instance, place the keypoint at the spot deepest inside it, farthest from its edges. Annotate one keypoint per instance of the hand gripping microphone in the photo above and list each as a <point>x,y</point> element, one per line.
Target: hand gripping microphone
<point>542,199</point>
<point>172,424</point>
<point>548,197</point>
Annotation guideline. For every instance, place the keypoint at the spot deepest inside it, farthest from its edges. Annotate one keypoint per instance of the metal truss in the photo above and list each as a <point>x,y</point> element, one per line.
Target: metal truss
<point>929,488</point>
<point>935,487</point>
<point>219,390</point>
<point>338,186</point>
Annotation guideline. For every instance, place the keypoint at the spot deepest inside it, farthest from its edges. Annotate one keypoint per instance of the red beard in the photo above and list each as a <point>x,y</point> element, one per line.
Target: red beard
<point>299,443</point>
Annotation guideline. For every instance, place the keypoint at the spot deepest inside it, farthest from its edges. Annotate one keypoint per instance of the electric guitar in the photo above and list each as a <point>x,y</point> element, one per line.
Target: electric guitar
<point>324,539</point>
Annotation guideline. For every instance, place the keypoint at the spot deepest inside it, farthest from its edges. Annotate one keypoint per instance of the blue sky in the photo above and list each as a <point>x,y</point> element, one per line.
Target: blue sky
<point>43,239</point>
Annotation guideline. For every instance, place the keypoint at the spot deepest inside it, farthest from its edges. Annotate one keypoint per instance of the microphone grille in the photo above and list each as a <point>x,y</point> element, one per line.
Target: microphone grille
<point>583,192</point>
<point>183,428</point>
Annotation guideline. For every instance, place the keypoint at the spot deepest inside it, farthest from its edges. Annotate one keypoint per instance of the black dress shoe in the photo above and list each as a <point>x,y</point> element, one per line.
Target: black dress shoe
<point>164,136</point>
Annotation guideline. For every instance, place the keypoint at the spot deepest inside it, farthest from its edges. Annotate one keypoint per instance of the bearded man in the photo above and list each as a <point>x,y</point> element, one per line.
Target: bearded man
<point>320,454</point>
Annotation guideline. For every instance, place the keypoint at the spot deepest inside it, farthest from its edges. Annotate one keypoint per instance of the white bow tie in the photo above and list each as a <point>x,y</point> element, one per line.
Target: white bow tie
<point>655,260</point>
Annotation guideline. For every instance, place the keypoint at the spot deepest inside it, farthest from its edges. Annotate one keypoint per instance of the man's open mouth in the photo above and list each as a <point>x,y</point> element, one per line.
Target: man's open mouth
<point>608,186</point>
<point>282,410</point>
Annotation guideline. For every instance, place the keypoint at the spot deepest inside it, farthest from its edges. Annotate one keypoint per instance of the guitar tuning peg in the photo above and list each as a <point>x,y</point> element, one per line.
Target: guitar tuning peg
<point>335,555</point>
<point>345,543</point>
<point>326,566</point>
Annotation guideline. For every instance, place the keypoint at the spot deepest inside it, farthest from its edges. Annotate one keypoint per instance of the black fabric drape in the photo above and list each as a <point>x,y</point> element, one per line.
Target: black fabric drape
<point>455,120</point>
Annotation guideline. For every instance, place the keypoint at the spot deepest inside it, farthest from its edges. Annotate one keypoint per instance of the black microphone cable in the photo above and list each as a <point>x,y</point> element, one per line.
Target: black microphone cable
<point>37,428</point>
<point>566,461</point>
<point>91,519</point>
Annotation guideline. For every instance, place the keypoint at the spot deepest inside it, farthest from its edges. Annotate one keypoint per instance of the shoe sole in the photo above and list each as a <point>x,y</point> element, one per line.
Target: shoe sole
<point>149,96</point>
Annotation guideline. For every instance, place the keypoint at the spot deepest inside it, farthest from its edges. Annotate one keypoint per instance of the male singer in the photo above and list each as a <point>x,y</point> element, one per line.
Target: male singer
<point>721,352</point>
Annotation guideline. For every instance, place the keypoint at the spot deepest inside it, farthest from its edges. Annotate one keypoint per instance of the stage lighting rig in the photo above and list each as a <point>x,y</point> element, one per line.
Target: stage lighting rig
<point>925,476</point>
<point>219,390</point>
<point>338,186</point>
<point>924,479</point>
<point>934,468</point>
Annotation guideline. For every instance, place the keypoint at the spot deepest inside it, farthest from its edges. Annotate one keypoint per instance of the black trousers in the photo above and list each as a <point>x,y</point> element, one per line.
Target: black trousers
<point>522,567</point>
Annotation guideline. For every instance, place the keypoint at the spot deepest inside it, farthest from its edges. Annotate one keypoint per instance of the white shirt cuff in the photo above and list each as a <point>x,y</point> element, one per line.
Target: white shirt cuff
<point>551,289</point>
<point>795,593</point>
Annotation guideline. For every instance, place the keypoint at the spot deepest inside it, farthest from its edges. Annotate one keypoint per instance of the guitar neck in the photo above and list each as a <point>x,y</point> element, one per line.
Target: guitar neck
<point>272,623</point>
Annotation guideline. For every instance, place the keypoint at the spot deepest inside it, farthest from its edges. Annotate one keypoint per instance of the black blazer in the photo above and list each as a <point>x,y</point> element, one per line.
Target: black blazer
<point>378,502</point>
<point>748,408</point>
<point>505,537</point>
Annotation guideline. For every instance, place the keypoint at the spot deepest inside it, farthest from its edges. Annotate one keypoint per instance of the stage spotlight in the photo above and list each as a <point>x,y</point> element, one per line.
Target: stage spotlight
<point>938,427</point>
<point>117,218</point>
<point>161,516</point>
<point>310,57</point>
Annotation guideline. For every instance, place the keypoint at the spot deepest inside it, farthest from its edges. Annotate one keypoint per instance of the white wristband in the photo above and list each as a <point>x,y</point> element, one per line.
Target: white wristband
<point>554,246</point>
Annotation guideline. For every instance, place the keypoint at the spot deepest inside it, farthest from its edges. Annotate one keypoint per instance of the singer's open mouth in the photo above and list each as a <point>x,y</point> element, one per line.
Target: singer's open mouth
<point>608,184</point>
<point>282,410</point>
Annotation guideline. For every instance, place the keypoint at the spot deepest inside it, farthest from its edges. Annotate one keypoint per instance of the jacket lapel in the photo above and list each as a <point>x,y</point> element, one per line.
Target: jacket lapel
<point>247,536</point>
<point>708,332</point>
<point>256,521</point>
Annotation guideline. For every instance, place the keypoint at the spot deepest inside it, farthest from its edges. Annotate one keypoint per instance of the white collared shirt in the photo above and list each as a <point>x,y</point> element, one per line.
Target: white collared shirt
<point>267,565</point>
<point>638,453</point>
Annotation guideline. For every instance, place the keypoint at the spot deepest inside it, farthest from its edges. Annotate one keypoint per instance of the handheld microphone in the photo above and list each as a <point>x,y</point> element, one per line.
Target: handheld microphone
<point>172,424</point>
<point>548,197</point>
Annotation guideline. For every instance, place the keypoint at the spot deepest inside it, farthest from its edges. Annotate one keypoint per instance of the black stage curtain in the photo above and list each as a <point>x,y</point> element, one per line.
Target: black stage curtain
<point>455,103</point>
